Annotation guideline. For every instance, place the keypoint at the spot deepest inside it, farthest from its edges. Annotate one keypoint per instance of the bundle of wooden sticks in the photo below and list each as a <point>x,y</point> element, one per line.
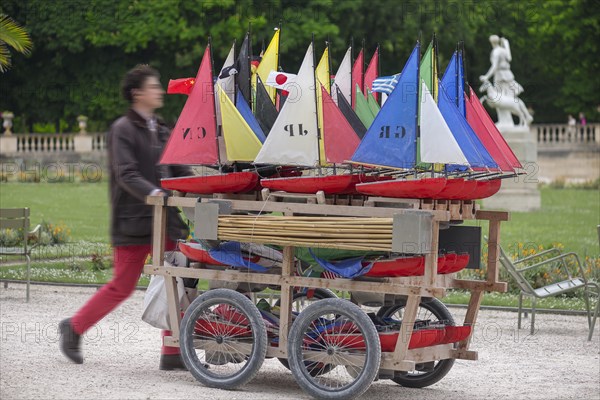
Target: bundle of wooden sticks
<point>355,233</point>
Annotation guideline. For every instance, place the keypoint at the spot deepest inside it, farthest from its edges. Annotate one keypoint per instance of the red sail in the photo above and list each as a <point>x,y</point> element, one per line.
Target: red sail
<point>194,139</point>
<point>357,76</point>
<point>493,130</point>
<point>486,137</point>
<point>371,74</point>
<point>339,137</point>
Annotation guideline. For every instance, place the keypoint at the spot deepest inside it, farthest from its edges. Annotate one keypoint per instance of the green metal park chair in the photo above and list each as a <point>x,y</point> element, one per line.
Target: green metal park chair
<point>18,219</point>
<point>552,257</point>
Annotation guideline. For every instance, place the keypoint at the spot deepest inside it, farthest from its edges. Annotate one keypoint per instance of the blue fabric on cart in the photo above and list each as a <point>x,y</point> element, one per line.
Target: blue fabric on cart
<point>349,268</point>
<point>230,253</point>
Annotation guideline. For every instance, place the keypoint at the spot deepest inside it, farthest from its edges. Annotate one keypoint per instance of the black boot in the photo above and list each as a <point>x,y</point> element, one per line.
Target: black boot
<point>171,362</point>
<point>69,342</point>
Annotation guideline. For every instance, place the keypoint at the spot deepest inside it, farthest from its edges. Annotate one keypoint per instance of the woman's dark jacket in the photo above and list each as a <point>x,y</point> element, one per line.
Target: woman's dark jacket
<point>133,155</point>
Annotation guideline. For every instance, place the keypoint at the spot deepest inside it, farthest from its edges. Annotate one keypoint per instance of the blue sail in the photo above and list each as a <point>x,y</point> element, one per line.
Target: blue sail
<point>390,140</point>
<point>453,82</point>
<point>246,112</point>
<point>461,86</point>
<point>469,143</point>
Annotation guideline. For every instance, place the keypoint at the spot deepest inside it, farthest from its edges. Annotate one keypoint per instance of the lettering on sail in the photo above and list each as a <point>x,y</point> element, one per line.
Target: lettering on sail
<point>385,132</point>
<point>200,133</point>
<point>290,129</point>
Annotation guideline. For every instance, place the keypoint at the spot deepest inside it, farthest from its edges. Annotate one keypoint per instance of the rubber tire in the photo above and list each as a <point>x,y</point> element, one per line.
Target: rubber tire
<point>319,294</point>
<point>371,339</point>
<point>442,368</point>
<point>188,353</point>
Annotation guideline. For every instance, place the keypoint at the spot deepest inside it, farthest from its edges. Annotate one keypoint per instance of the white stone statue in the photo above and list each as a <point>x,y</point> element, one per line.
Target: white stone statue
<point>503,94</point>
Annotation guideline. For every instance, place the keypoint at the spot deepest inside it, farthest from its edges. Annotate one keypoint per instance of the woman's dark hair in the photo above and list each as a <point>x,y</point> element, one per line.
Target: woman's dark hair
<point>135,79</point>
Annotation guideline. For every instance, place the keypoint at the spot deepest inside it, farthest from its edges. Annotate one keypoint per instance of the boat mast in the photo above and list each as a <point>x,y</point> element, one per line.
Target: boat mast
<point>218,127</point>
<point>316,102</point>
<point>418,88</point>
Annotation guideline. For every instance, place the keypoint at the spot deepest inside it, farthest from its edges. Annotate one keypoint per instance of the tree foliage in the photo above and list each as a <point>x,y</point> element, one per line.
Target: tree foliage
<point>83,47</point>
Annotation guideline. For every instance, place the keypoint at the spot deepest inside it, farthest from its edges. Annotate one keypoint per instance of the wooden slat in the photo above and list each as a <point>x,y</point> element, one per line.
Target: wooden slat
<point>19,223</point>
<point>277,280</point>
<point>493,250</point>
<point>471,317</point>
<point>174,308</point>
<point>159,224</point>
<point>492,215</point>
<point>285,309</point>
<point>318,209</point>
<point>14,212</point>
<point>406,329</point>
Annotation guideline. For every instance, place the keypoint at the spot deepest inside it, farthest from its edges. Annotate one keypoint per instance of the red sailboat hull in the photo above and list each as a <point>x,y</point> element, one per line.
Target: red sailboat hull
<point>453,188</point>
<point>415,265</point>
<point>235,182</point>
<point>413,189</point>
<point>331,184</point>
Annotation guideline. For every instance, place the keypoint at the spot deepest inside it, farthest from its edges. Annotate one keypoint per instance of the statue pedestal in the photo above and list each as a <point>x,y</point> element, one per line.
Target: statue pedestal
<point>519,193</point>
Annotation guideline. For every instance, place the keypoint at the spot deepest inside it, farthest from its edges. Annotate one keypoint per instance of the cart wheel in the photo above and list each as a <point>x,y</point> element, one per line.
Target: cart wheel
<point>334,332</point>
<point>299,303</point>
<point>426,374</point>
<point>222,328</point>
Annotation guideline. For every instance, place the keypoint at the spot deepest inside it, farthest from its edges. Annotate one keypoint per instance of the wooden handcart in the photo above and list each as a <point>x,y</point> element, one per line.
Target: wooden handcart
<point>333,348</point>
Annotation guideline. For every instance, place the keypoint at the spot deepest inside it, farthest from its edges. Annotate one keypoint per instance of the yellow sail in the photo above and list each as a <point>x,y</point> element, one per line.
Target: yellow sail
<point>241,143</point>
<point>268,63</point>
<point>322,75</point>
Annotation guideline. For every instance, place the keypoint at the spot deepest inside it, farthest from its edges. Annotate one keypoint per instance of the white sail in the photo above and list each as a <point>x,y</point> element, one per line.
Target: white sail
<point>293,140</point>
<point>228,82</point>
<point>437,142</point>
<point>343,78</point>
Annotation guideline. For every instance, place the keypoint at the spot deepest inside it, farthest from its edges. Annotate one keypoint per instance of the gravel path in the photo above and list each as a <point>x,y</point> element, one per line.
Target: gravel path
<point>122,354</point>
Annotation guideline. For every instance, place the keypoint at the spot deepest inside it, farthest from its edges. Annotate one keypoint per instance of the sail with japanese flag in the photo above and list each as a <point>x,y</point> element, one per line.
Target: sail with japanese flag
<point>357,76</point>
<point>193,141</point>
<point>293,139</point>
<point>280,80</point>
<point>343,79</point>
<point>371,74</point>
<point>268,63</point>
<point>241,142</point>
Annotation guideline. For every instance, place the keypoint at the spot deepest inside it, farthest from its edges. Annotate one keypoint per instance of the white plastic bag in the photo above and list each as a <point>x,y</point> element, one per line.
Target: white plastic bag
<point>156,306</point>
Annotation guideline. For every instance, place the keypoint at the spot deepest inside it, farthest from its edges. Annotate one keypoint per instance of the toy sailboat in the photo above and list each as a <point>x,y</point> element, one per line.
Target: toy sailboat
<point>311,131</point>
<point>421,126</point>
<point>194,139</point>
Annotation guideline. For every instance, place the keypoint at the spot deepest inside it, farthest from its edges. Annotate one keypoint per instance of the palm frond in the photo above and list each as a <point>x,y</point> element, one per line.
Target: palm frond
<point>14,35</point>
<point>4,57</point>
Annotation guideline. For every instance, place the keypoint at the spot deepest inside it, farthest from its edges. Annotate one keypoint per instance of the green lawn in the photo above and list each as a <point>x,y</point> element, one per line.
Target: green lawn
<point>82,207</point>
<point>568,216</point>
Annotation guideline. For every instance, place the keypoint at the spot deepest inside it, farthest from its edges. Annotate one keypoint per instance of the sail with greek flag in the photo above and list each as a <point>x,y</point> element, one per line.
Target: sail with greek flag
<point>390,140</point>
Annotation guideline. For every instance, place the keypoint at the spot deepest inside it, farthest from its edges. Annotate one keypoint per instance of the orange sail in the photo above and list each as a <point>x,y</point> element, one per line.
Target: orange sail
<point>193,141</point>
<point>339,137</point>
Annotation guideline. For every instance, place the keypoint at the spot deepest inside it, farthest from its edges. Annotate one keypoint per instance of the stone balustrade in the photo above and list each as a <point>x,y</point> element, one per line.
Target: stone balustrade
<point>553,134</point>
<point>48,143</point>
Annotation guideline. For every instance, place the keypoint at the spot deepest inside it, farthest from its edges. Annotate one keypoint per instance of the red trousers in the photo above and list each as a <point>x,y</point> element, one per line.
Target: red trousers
<point>128,266</point>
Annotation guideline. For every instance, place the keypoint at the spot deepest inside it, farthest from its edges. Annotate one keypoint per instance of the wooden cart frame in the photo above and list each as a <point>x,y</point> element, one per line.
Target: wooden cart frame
<point>429,285</point>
